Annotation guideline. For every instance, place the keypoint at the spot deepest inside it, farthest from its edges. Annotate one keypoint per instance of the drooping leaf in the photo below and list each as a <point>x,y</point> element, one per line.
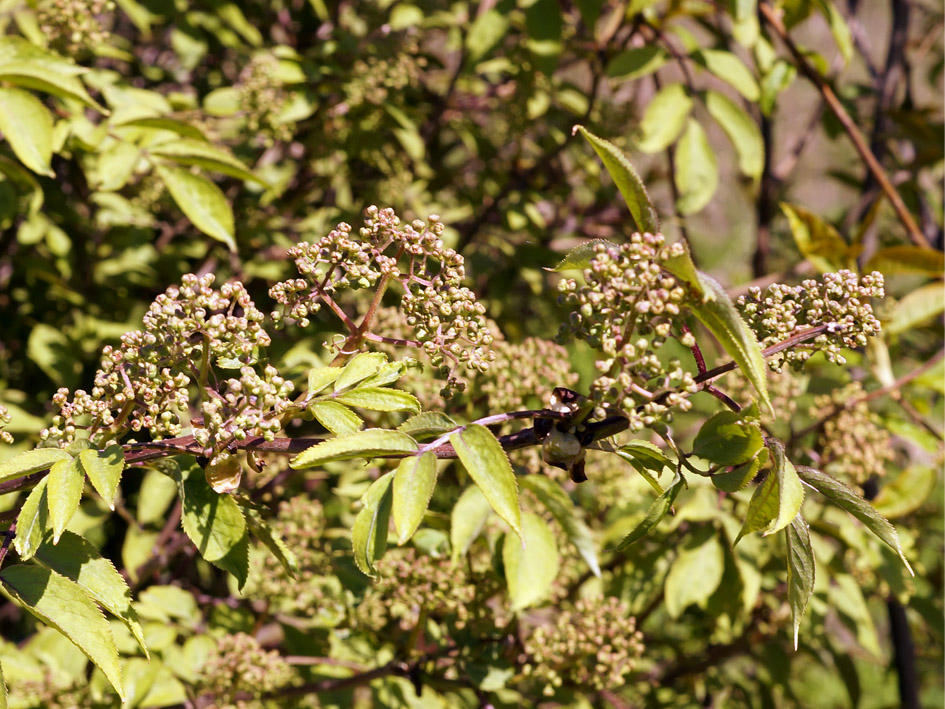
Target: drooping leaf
<point>27,126</point>
<point>115,166</point>
<point>730,69</point>
<point>552,496</point>
<point>727,439</point>
<point>696,572</point>
<point>103,469</point>
<point>31,461</point>
<point>467,520</point>
<point>22,63</point>
<point>414,481</point>
<point>639,61</point>
<point>370,443</point>
<point>202,202</point>
<point>817,240</point>
<point>487,464</point>
<point>580,257</point>
<point>215,524</point>
<point>380,399</point>
<point>337,418</point>
<point>187,151</point>
<point>741,129</point>
<point>664,118</point>
<point>33,521</point>
<point>777,501</point>
<point>719,315</point>
<point>63,492</point>
<point>800,564</point>
<point>661,505</point>
<point>683,267</point>
<point>369,534</point>
<point>264,532</point>
<point>76,559</point>
<point>847,500</point>
<point>916,308</point>
<point>359,368</point>
<point>736,479</point>
<point>63,605</point>
<point>628,182</point>
<point>429,424</point>
<point>175,125</point>
<point>697,171</point>
<point>646,459</point>
<point>531,563</point>
<point>906,258</point>
<point>838,28</point>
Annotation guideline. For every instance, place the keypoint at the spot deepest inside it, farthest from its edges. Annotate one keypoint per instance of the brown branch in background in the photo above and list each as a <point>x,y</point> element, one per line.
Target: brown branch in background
<point>773,18</point>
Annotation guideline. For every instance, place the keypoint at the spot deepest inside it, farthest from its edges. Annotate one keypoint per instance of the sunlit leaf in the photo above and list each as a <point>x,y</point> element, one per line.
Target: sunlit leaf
<point>187,151</point>
<point>63,492</point>
<point>362,444</point>
<point>664,118</point>
<point>730,69</point>
<point>697,172</point>
<point>741,129</point>
<point>906,258</point>
<point>429,424</point>
<point>696,572</point>
<point>580,257</point>
<point>31,461</point>
<point>487,464</point>
<point>907,493</point>
<point>916,308</point>
<point>531,562</point>
<point>639,61</point>
<point>777,501</point>
<point>727,439</point>
<point>654,515</point>
<point>337,418</point>
<point>467,520</point>
<point>103,469</point>
<point>369,534</point>
<point>800,564</point>
<point>817,240</point>
<point>380,399</point>
<point>359,368</point>
<point>32,522</point>
<point>566,514</point>
<point>202,202</point>
<point>414,481</point>
<point>27,126</point>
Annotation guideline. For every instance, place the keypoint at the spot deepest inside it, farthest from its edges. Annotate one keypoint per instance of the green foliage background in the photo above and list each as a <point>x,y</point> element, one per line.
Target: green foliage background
<point>147,140</point>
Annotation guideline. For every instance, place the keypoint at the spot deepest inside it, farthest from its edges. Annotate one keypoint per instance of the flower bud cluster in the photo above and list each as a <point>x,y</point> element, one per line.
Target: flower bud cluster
<point>626,309</point>
<point>784,390</point>
<point>241,666</point>
<point>595,645</point>
<point>262,98</point>
<point>840,301</point>
<point>5,419</point>
<point>852,444</point>
<point>411,582</point>
<point>144,384</point>
<point>74,26</point>
<point>524,371</point>
<point>300,523</point>
<point>373,79</point>
<point>445,318</point>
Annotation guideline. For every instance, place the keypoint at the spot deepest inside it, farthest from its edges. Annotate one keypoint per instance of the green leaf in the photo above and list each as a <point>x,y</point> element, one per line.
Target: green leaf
<point>264,532</point>
<point>846,499</point>
<point>916,308</point>
<point>103,469</point>
<point>846,597</point>
<point>488,465</point>
<point>337,418</point>
<point>697,172</point>
<point>907,493</point>
<point>800,566</point>
<point>817,240</point>
<point>32,522</point>
<point>380,399</point>
<point>215,524</point>
<point>531,563</point>
<point>174,125</point>
<point>775,80</point>
<point>646,459</point>
<point>467,519</point>
<point>838,28</point>
<point>115,166</point>
<point>320,377</point>
<point>628,182</point>
<point>682,266</point>
<point>741,129</point>
<point>736,479</point>
<point>369,534</point>
<point>24,64</point>
<point>370,443</point>
<point>359,368</point>
<point>637,62</point>
<point>27,126</point>
<point>664,118</point>
<point>76,559</point>
<point>31,461</point>
<point>387,374</point>
<point>777,501</point>
<point>696,572</point>
<point>552,496</point>
<point>414,481</point>
<point>201,201</point>
<point>580,257</point>
<point>486,31</point>
<point>661,505</point>
<point>727,439</point>
<point>63,492</point>
<point>429,424</point>
<point>187,151</point>
<point>719,315</point>
<point>906,258</point>
<point>62,604</point>
<point>730,69</point>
